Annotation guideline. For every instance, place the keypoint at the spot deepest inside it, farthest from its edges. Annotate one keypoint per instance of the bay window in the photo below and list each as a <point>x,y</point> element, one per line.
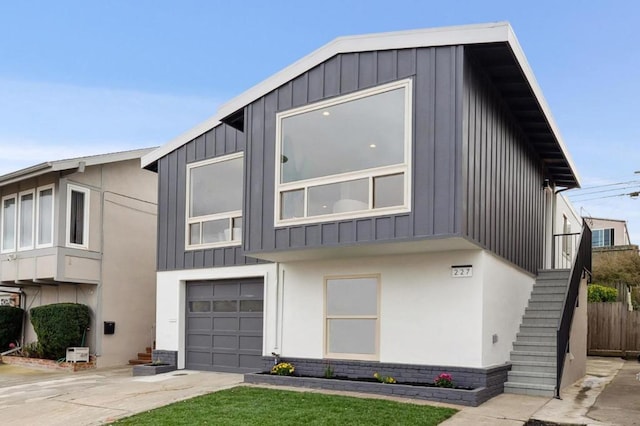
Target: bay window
<point>214,202</point>
<point>345,157</point>
<point>9,223</point>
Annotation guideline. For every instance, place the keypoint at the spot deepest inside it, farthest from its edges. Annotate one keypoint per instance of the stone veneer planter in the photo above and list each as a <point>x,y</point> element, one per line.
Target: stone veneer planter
<point>485,382</point>
<point>48,364</point>
<point>152,369</point>
<point>472,398</point>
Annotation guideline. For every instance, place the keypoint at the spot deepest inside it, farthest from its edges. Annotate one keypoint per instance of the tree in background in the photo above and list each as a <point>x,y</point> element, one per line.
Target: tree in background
<point>612,267</point>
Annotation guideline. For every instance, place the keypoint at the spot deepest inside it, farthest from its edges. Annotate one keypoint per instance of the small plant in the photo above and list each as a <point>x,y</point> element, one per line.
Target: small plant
<point>444,380</point>
<point>601,293</point>
<point>384,379</point>
<point>328,371</point>
<point>31,350</point>
<point>283,369</point>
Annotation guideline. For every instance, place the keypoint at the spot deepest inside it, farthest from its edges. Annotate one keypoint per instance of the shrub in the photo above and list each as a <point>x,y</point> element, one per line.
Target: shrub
<point>10,326</point>
<point>59,326</point>
<point>600,293</point>
<point>384,379</point>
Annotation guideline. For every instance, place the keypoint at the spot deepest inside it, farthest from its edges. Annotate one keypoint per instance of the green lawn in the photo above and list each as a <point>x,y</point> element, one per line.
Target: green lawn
<point>256,406</point>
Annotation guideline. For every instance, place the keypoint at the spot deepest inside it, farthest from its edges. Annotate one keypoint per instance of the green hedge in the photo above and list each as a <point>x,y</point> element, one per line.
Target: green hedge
<point>600,293</point>
<point>59,326</point>
<point>10,326</point>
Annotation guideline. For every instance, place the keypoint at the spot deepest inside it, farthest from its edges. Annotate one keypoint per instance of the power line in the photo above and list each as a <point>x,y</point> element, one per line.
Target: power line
<point>603,191</point>
<point>630,194</point>
<point>609,184</point>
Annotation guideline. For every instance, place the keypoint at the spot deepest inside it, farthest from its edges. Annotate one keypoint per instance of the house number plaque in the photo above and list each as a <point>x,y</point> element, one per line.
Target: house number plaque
<point>461,271</point>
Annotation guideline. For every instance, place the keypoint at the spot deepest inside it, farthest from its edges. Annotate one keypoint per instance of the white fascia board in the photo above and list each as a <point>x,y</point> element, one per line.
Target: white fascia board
<point>537,92</point>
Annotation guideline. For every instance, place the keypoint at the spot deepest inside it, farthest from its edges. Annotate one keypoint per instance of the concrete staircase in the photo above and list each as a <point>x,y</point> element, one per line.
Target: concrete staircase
<point>533,358</point>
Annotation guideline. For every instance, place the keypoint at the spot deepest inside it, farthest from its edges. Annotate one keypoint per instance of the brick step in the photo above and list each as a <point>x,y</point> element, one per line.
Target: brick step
<point>148,350</point>
<point>144,355</point>
<point>138,361</point>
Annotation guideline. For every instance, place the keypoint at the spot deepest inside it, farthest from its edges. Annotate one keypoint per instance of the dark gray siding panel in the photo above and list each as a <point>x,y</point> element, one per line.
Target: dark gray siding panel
<point>502,197</point>
<point>436,193</point>
<point>172,255</point>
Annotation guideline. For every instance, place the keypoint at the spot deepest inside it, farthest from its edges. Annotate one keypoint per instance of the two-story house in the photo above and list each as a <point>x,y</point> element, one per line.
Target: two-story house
<point>83,230</point>
<point>384,202</point>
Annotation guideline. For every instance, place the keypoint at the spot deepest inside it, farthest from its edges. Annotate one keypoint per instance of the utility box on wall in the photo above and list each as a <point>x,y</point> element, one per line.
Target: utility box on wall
<point>109,327</point>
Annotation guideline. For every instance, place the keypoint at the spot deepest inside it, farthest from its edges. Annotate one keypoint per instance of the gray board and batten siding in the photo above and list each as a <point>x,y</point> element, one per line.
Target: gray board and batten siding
<point>476,172</point>
<point>172,187</point>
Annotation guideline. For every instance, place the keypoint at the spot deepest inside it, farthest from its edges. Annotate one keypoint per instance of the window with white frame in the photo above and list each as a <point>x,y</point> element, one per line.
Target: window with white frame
<point>214,202</point>
<point>44,219</point>
<point>345,157</point>
<point>9,222</point>
<point>26,217</point>
<point>602,237</point>
<point>351,317</point>
<point>78,216</point>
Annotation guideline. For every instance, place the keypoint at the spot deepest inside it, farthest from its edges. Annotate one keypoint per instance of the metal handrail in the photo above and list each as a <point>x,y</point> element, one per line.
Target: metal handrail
<point>581,267</point>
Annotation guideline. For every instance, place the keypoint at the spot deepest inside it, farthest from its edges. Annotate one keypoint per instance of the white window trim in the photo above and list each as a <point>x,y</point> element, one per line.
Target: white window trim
<point>326,318</point>
<point>15,224</point>
<point>87,205</point>
<point>19,216</point>
<point>200,219</point>
<point>53,210</point>
<point>405,168</point>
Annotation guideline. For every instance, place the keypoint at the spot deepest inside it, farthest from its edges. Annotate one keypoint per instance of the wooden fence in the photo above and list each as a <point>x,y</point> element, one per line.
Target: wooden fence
<point>613,329</point>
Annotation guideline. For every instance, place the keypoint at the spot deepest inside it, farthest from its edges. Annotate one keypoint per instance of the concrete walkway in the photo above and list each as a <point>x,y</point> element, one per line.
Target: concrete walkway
<point>593,400</point>
<point>29,397</point>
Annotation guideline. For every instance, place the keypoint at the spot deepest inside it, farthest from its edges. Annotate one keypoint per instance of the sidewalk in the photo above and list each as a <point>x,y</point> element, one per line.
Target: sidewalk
<point>572,409</point>
<point>619,403</point>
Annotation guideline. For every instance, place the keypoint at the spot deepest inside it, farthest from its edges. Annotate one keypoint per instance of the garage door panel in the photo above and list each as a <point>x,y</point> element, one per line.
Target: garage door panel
<point>225,342</point>
<point>200,340</point>
<point>199,323</point>
<point>250,343</point>
<point>251,324</point>
<point>224,325</point>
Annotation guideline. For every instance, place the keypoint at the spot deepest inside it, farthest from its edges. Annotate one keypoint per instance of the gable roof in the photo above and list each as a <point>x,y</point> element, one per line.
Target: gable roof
<point>484,36</point>
<point>71,163</point>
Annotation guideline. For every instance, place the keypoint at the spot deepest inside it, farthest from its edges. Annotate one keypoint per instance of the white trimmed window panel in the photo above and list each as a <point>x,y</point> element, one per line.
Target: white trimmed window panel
<point>346,157</point>
<point>9,223</point>
<point>352,317</point>
<point>45,216</point>
<point>213,210</point>
<point>26,219</point>
<point>77,216</point>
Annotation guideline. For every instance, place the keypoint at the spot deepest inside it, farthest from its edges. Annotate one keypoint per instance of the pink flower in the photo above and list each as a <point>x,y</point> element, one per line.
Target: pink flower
<point>12,345</point>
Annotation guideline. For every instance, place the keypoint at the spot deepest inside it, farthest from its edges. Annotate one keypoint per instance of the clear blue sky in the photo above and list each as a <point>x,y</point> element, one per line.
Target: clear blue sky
<point>86,77</point>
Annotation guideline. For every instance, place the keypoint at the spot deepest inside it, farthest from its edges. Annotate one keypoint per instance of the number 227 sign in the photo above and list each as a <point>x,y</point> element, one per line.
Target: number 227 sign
<point>461,271</point>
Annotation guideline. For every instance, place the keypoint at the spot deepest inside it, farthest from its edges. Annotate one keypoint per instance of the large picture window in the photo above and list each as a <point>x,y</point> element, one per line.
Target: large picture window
<point>602,237</point>
<point>78,216</point>
<point>351,317</point>
<point>346,157</point>
<point>214,202</point>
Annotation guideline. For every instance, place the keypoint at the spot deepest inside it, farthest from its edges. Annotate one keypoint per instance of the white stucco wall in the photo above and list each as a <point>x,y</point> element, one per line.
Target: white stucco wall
<point>171,302</point>
<point>505,295</point>
<point>426,315</point>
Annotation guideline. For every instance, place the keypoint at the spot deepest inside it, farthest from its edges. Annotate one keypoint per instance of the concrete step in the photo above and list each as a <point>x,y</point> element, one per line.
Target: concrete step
<point>542,313</point>
<point>533,356</point>
<point>540,321</point>
<point>534,366</point>
<point>548,290</point>
<point>547,297</point>
<point>554,274</point>
<point>530,328</point>
<point>546,282</point>
<point>529,389</point>
<point>532,377</point>
<point>534,346</point>
<point>542,337</point>
<point>546,305</point>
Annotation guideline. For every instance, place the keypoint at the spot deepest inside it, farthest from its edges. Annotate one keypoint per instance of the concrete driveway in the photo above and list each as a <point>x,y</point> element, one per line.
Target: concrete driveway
<point>32,397</point>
